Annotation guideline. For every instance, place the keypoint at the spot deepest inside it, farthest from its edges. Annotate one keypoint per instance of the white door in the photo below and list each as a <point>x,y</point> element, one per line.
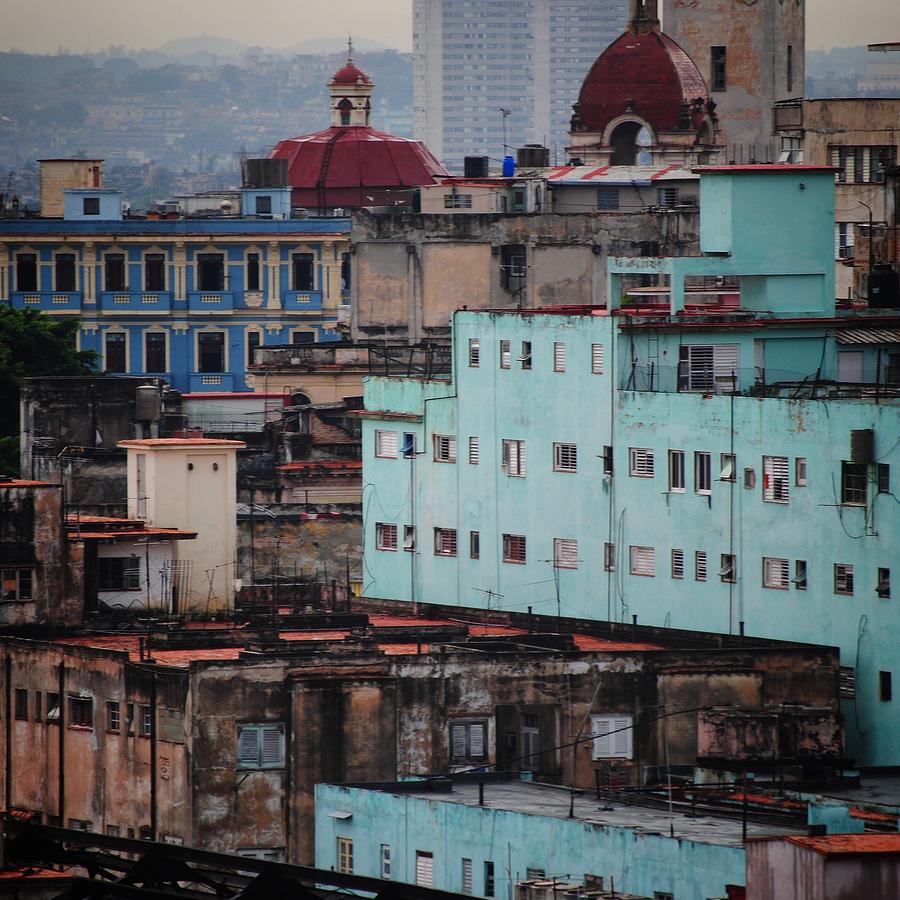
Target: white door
<point>850,366</point>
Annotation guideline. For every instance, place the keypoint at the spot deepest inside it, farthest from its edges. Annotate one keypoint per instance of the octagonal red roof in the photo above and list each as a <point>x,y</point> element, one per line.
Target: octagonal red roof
<point>355,165</point>
<point>350,74</point>
<point>649,70</point>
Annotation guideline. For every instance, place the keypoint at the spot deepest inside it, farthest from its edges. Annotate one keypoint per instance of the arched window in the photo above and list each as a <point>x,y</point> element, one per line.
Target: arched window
<point>345,107</point>
<point>624,142</point>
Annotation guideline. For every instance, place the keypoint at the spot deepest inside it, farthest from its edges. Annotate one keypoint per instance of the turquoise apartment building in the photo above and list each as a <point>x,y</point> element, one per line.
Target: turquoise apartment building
<point>723,464</point>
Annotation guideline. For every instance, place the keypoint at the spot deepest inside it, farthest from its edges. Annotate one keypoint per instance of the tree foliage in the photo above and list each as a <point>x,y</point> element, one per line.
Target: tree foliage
<point>32,344</point>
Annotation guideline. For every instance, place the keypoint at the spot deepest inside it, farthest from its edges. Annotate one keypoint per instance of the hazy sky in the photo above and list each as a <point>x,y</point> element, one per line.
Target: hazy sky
<point>44,25</point>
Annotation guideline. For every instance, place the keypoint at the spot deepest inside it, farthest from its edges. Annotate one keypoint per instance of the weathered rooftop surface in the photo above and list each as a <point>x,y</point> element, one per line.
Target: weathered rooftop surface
<point>850,844</point>
<point>393,635</point>
<point>536,799</point>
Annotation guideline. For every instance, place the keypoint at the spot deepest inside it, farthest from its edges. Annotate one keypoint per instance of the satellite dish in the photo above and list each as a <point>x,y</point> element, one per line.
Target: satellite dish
<point>225,206</point>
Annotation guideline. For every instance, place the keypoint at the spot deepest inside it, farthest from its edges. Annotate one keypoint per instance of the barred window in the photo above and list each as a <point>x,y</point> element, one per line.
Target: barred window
<point>642,560</point>
<point>640,462</point>
<point>776,483</point>
<point>565,553</point>
<point>565,457</point>
<point>514,548</point>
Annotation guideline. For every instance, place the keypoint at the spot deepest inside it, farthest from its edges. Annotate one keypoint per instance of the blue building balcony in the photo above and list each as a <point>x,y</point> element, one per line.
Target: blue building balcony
<point>210,301</point>
<point>47,301</point>
<point>211,381</point>
<point>302,301</point>
<point>135,301</point>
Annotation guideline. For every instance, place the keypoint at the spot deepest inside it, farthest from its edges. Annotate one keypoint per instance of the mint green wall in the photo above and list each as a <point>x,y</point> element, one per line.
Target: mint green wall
<point>639,863</point>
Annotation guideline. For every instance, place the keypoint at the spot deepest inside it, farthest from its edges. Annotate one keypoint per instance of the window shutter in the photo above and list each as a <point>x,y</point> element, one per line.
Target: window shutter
<point>474,352</point>
<point>700,565</point>
<point>424,869</point>
<point>678,563</point>
<point>621,738</point>
<point>559,356</point>
<point>603,745</point>
<point>467,876</point>
<point>272,745</point>
<point>643,561</point>
<point>776,485</point>
<point>248,746</point>
<point>476,740</point>
<point>597,359</point>
<point>458,741</point>
<point>566,553</point>
<point>473,451</point>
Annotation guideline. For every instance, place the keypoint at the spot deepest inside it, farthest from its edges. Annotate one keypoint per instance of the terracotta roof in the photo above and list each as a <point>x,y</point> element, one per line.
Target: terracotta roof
<point>355,165</point>
<point>649,73</point>
<point>849,844</point>
<point>22,482</point>
<point>180,442</point>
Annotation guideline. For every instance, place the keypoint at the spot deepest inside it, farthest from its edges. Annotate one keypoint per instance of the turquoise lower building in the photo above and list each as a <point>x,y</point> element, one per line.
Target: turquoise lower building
<point>689,461</point>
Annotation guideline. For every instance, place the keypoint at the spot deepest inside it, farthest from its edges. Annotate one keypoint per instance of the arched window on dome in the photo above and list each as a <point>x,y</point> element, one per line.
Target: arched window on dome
<point>644,141</point>
<point>345,107</point>
<point>624,143</point>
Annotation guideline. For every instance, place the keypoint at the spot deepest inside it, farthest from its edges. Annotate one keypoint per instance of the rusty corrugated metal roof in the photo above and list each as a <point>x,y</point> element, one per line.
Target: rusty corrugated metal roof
<point>869,336</point>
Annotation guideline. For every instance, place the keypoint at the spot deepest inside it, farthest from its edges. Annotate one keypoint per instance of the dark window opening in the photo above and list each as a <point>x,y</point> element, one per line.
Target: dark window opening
<point>518,200</point>
<point>81,712</point>
<point>488,879</point>
<point>155,272</point>
<point>608,199</point>
<point>717,68</point>
<point>253,341</point>
<point>210,272</point>
<point>885,688</point>
<point>303,272</point>
<point>264,205</point>
<point>114,272</point>
<point>52,708</point>
<point>65,272</point>
<point>118,573</point>
<point>883,583</point>
<point>15,584</point>
<point>345,107</point>
<point>790,68</point>
<point>624,144</point>
<point>211,346</point>
<point>252,271</point>
<point>854,480</point>
<point>513,269</point>
<point>345,273</point>
<point>26,272</point>
<point>114,345</point>
<point>154,351</point>
<point>21,704</point>
<point>90,206</point>
<point>884,478</point>
<point>37,706</point>
<point>303,337</point>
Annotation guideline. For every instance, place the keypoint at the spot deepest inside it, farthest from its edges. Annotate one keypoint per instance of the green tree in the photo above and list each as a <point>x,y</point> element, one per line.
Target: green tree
<point>32,344</point>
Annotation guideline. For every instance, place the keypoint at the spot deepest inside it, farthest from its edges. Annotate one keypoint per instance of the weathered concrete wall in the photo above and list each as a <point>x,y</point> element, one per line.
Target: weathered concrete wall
<point>412,272</point>
<point>106,775</point>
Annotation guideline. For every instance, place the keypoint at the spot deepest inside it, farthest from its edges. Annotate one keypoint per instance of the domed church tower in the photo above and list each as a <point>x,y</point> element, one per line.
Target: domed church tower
<point>351,93</point>
<point>644,101</point>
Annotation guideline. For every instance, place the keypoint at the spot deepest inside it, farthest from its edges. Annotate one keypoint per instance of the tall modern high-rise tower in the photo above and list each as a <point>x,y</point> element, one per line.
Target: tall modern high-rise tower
<point>494,72</point>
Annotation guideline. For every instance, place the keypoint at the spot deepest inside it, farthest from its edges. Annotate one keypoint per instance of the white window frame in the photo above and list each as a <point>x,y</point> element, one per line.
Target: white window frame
<point>344,854</point>
<point>702,472</point>
<point>727,467</point>
<point>642,561</point>
<point>565,553</point>
<point>559,356</point>
<point>386,862</point>
<point>613,736</point>
<point>386,536</point>
<point>676,471</point>
<point>513,457</point>
<point>709,368</point>
<point>505,354</point>
<point>444,448</point>
<point>424,868</point>
<point>565,457</point>
<point>728,568</point>
<point>409,538</point>
<point>512,544</point>
<point>596,359</point>
<point>776,479</point>
<point>474,451</point>
<point>445,542</point>
<point>386,444</point>
<point>641,462</point>
<point>776,573</point>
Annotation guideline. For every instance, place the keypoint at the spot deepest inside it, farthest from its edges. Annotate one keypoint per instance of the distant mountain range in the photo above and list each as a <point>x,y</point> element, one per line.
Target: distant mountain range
<point>211,45</point>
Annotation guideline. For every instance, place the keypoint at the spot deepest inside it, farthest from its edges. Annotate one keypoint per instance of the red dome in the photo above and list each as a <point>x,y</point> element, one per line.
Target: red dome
<point>648,74</point>
<point>355,165</point>
<point>350,74</point>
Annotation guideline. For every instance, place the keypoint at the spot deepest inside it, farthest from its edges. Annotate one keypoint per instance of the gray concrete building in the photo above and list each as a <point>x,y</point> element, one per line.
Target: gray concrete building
<point>472,61</point>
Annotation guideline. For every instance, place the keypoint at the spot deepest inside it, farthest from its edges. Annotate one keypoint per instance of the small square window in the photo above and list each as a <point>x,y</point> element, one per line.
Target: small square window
<point>81,712</point>
<point>385,536</point>
<point>514,548</point>
<point>444,448</point>
<point>640,462</point>
<point>565,458</point>
<point>843,578</point>
<point>445,542</point>
<point>90,206</point>
<point>775,573</point>
<point>642,561</point>
<point>386,444</point>
<point>565,553</point>
<point>260,746</point>
<point>264,205</point>
<point>608,199</point>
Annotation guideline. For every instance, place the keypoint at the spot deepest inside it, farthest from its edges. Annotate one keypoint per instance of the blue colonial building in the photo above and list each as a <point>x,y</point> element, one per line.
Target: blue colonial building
<point>186,299</point>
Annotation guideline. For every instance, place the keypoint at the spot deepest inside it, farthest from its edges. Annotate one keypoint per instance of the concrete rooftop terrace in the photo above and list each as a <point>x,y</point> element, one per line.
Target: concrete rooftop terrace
<point>229,641</point>
<point>534,799</point>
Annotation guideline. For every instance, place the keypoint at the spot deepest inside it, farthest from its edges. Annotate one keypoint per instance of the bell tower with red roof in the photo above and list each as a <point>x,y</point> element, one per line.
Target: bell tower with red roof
<point>351,93</point>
